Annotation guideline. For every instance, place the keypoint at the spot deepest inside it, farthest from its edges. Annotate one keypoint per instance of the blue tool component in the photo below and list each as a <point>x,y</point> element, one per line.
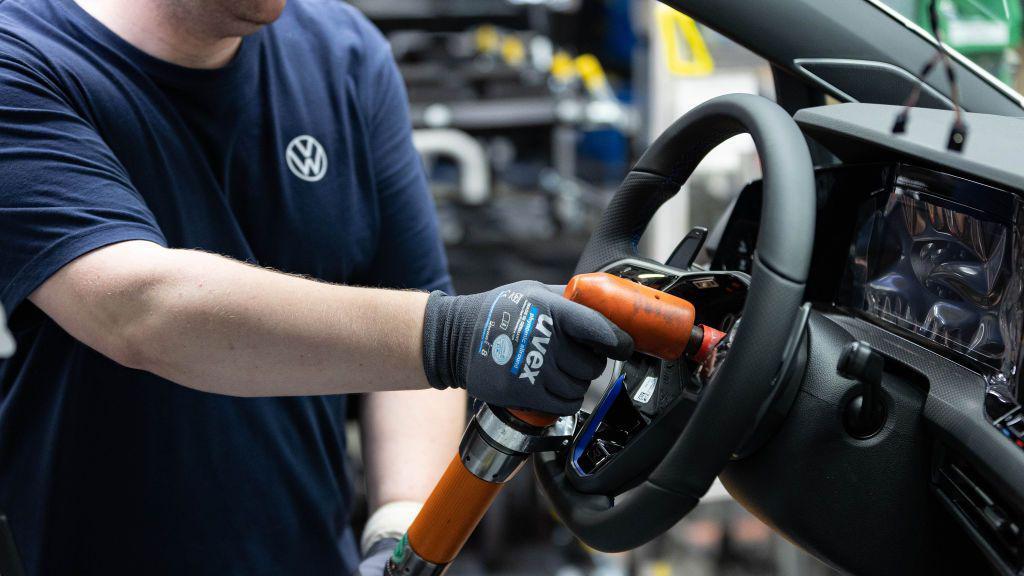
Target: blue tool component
<point>595,420</point>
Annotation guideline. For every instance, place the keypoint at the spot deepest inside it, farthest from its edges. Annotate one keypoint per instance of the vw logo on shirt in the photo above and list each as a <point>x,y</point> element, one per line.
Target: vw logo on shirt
<point>306,158</point>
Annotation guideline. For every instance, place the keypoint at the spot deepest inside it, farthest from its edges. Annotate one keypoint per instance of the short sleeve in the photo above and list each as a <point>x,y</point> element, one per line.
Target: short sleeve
<point>63,192</point>
<point>410,253</point>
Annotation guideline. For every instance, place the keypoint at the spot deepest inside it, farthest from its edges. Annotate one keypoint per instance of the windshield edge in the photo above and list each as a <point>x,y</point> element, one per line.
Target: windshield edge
<point>953,53</point>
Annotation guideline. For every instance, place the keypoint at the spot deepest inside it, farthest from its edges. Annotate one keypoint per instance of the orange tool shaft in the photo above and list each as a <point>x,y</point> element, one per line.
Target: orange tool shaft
<point>451,513</point>
<point>457,504</point>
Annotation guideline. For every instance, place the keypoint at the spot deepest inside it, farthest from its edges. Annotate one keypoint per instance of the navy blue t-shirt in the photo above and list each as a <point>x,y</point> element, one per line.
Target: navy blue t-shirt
<point>297,156</point>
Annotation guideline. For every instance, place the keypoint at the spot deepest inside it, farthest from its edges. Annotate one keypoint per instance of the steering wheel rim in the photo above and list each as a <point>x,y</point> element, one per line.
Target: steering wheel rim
<point>731,400</point>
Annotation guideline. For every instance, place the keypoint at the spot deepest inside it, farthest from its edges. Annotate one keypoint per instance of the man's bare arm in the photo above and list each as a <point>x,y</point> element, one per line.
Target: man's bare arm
<point>408,440</point>
<point>219,325</point>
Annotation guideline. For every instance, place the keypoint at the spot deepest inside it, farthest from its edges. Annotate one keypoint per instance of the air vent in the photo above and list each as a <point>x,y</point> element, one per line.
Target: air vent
<point>868,82</point>
<point>997,525</point>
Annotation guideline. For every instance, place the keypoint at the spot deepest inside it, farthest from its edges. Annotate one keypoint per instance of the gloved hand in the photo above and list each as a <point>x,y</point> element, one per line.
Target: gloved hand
<point>519,346</point>
<point>376,558</point>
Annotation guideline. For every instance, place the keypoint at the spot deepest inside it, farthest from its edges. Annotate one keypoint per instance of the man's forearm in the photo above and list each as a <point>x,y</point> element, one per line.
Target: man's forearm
<point>218,325</point>
<point>408,440</point>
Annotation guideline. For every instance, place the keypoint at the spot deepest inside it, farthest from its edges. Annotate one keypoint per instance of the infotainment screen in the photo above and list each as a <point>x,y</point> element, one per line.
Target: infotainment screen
<point>940,257</point>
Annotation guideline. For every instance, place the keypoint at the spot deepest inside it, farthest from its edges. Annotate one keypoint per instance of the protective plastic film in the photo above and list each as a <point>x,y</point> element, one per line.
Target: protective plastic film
<point>941,257</point>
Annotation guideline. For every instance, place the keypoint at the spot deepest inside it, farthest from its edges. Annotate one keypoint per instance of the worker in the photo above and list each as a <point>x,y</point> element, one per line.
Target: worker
<point>191,192</point>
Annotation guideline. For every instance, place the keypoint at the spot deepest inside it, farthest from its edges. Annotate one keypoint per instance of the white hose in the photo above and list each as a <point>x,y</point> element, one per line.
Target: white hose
<point>468,153</point>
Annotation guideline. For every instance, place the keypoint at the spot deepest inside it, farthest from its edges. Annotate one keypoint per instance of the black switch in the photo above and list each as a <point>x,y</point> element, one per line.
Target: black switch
<point>865,414</point>
<point>995,517</point>
<point>688,248</point>
<point>999,402</point>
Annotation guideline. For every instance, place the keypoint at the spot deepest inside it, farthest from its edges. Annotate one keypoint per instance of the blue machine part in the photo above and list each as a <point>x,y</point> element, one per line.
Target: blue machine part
<point>595,420</point>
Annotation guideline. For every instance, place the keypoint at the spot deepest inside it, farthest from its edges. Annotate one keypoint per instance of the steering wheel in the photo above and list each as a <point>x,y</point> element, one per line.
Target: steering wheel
<point>646,506</point>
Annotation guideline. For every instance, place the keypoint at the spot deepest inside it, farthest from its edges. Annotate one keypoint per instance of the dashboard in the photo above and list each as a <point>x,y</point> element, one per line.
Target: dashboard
<point>919,252</point>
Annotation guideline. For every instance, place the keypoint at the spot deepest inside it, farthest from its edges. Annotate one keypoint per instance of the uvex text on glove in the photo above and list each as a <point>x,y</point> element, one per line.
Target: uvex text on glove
<point>519,346</point>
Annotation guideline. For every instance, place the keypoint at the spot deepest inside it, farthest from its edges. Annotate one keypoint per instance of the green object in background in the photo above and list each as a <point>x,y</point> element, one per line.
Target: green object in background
<point>985,31</point>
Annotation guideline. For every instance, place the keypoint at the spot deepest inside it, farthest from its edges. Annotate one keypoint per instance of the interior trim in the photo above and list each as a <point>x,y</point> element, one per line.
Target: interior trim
<point>800,63</point>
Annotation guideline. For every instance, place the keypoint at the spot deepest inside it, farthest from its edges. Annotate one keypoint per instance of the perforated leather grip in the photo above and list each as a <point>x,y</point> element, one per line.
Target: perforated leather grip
<point>787,223</point>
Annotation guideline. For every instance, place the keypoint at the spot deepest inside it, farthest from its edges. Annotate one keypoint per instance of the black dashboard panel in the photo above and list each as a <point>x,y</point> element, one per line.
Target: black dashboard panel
<point>902,222</point>
<point>863,132</point>
<point>949,246</point>
<point>840,192</point>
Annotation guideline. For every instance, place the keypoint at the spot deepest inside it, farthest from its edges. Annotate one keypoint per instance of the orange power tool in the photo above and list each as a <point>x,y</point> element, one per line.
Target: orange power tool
<point>498,441</point>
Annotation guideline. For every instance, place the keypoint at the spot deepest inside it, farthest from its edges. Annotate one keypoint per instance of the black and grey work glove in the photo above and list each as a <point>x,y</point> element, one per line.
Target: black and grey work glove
<point>519,346</point>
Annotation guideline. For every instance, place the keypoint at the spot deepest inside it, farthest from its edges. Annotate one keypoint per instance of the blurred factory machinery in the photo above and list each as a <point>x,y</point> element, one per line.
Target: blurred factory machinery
<point>522,132</point>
